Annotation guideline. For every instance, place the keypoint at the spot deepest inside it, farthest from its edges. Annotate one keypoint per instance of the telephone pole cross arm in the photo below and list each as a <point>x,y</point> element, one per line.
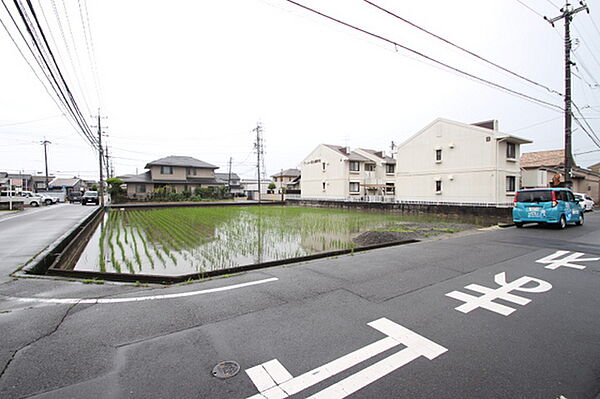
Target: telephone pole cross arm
<point>567,14</point>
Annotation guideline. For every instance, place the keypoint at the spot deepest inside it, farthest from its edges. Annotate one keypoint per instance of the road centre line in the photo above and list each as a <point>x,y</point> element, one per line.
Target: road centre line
<point>142,298</point>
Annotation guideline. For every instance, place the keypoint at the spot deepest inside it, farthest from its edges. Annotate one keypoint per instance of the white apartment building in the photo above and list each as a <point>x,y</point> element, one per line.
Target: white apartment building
<point>336,172</point>
<point>450,161</point>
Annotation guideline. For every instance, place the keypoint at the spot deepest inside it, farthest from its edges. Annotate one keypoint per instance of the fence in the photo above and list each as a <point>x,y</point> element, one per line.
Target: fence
<point>393,200</point>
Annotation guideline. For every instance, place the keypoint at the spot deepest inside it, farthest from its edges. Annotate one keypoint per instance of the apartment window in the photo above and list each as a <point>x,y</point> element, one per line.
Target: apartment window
<point>354,187</point>
<point>389,188</point>
<point>323,186</point>
<point>141,188</point>
<point>166,170</point>
<point>390,168</point>
<point>323,165</point>
<point>354,166</point>
<point>438,155</point>
<point>438,186</point>
<point>370,167</point>
<point>510,184</point>
<point>511,150</point>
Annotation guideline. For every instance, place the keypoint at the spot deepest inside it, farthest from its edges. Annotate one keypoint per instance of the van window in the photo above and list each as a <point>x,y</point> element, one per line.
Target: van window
<point>535,196</point>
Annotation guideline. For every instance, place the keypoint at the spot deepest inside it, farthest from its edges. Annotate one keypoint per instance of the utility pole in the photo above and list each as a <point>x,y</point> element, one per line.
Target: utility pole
<point>281,183</point>
<point>229,177</point>
<point>567,14</point>
<point>45,143</point>
<point>392,148</point>
<point>258,146</point>
<point>107,165</point>
<point>100,156</point>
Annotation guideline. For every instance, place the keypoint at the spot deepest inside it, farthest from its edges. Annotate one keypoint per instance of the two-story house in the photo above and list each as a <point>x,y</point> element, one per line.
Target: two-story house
<point>380,175</point>
<point>336,172</point>
<point>231,180</point>
<point>179,172</point>
<point>450,161</point>
<point>287,179</point>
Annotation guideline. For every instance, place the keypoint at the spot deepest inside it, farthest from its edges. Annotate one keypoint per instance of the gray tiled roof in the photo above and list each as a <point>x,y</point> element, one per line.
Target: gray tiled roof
<point>225,176</point>
<point>60,182</point>
<point>380,155</point>
<point>175,160</point>
<point>288,173</point>
<point>141,178</point>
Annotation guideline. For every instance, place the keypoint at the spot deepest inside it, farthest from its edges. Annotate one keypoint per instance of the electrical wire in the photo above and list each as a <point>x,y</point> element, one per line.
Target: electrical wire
<point>530,9</point>
<point>591,133</point>
<point>462,48</point>
<point>486,82</point>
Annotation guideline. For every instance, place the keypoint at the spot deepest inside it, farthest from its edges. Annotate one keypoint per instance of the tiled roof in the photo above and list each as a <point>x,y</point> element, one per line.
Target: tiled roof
<point>59,182</point>
<point>174,160</point>
<point>381,155</point>
<point>288,173</point>
<point>225,176</point>
<point>542,158</point>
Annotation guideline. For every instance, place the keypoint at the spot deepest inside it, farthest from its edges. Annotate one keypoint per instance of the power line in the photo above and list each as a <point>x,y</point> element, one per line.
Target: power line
<point>535,124</point>
<point>461,48</point>
<point>58,100</point>
<point>90,45</point>
<point>505,89</point>
<point>32,120</point>
<point>530,9</point>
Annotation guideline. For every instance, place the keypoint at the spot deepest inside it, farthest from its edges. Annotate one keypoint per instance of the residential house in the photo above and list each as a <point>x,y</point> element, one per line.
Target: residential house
<point>380,176</point>
<point>546,169</point>
<point>288,179</point>
<point>181,173</point>
<point>39,182</point>
<point>18,181</point>
<point>595,167</point>
<point>450,161</point>
<point>232,181</point>
<point>66,185</point>
<point>336,172</point>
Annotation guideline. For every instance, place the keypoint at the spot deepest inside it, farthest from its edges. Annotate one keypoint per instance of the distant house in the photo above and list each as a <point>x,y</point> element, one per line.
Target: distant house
<point>66,185</point>
<point>546,169</point>
<point>336,172</point>
<point>232,181</point>
<point>39,182</point>
<point>595,167</point>
<point>182,173</point>
<point>288,179</point>
<point>450,161</point>
<point>250,187</point>
<point>17,181</point>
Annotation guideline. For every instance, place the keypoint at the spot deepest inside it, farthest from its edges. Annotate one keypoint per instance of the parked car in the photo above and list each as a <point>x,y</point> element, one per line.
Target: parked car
<point>90,197</point>
<point>557,206</point>
<point>45,199</point>
<point>586,202</point>
<point>31,200</point>
<point>74,196</point>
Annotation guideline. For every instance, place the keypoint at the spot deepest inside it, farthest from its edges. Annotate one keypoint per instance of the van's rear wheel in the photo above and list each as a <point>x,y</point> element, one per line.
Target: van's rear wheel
<point>562,223</point>
<point>519,224</point>
<point>580,222</point>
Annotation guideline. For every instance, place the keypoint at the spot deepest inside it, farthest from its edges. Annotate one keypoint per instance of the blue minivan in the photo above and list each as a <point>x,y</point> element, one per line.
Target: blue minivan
<point>557,206</point>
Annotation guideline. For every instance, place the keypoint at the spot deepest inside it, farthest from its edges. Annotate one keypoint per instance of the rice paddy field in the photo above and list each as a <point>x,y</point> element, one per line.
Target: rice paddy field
<point>178,241</point>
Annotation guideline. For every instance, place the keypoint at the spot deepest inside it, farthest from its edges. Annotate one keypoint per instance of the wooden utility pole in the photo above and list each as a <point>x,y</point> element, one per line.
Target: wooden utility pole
<point>567,14</point>
<point>107,165</point>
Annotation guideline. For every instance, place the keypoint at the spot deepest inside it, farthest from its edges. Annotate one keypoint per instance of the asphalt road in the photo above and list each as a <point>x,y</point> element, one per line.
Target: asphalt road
<point>26,233</point>
<point>388,323</point>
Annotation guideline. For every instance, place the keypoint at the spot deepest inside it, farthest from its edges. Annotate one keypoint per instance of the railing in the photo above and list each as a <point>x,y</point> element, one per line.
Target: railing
<point>393,200</point>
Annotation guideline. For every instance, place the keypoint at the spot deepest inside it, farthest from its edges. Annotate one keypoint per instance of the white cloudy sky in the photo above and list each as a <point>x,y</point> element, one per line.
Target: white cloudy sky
<point>194,77</point>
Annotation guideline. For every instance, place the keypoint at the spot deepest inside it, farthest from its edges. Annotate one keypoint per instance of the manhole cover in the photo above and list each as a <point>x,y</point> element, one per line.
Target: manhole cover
<point>226,369</point>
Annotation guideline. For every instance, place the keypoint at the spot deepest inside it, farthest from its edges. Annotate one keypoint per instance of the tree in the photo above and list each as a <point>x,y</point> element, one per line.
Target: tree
<point>114,189</point>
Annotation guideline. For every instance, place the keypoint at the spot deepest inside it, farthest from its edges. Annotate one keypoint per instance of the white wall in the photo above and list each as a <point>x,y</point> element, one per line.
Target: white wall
<point>335,176</point>
<point>473,166</point>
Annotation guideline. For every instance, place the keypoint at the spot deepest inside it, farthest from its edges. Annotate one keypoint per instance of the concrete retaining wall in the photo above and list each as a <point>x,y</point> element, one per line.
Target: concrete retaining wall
<point>471,214</point>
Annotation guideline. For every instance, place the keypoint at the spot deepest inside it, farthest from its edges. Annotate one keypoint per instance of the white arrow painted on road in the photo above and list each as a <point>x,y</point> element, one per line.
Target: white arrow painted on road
<point>274,381</point>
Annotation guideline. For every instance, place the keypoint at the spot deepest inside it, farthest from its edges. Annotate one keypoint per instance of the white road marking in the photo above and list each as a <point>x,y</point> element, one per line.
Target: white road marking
<point>554,263</point>
<point>31,212</point>
<point>141,298</point>
<point>274,382</point>
<point>485,301</point>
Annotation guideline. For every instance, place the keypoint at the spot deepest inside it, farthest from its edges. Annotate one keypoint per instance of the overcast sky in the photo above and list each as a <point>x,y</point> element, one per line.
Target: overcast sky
<point>194,78</point>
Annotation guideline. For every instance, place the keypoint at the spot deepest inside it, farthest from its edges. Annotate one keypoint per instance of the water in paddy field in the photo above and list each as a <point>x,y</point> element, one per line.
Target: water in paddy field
<point>181,241</point>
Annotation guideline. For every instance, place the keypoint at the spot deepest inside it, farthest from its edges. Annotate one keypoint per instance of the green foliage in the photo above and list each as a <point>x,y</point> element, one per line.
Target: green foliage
<point>117,194</point>
<point>94,187</point>
<point>272,186</point>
